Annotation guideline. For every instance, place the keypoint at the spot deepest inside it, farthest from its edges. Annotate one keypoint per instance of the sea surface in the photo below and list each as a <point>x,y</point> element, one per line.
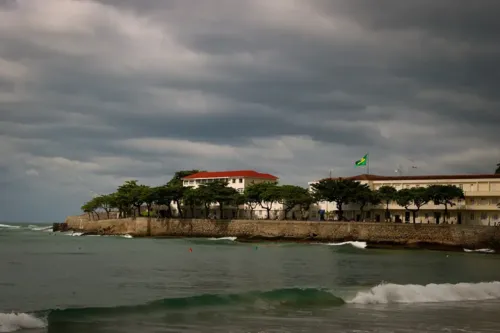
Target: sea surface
<point>59,282</point>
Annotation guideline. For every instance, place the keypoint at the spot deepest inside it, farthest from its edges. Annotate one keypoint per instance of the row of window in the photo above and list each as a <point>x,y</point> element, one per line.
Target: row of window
<point>211,180</point>
<point>465,187</point>
<point>483,201</point>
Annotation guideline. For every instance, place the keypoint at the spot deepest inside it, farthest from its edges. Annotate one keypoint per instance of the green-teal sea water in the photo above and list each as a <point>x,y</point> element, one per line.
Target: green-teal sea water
<point>55,282</point>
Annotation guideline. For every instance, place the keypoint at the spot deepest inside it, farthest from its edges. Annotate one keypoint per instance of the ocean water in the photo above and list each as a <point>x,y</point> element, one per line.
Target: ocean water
<point>55,282</point>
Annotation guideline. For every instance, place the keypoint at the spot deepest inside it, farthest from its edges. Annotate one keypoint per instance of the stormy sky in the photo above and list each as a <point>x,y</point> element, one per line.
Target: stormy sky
<point>93,93</point>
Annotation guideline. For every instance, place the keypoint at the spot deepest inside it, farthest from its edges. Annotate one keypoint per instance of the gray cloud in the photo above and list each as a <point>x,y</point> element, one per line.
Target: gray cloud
<point>94,93</point>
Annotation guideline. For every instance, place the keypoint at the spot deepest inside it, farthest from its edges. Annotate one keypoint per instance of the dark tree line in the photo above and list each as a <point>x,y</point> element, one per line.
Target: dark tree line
<point>131,198</point>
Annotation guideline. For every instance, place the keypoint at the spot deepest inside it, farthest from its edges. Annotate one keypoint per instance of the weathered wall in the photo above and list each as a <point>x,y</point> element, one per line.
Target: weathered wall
<point>451,235</point>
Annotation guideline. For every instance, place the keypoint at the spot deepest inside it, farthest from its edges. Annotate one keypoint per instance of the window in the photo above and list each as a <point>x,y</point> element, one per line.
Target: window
<point>484,216</point>
<point>495,217</point>
<point>426,215</point>
<point>472,201</point>
<point>368,215</point>
<point>186,182</point>
<point>472,216</point>
<point>241,180</point>
<point>191,182</point>
<point>234,180</point>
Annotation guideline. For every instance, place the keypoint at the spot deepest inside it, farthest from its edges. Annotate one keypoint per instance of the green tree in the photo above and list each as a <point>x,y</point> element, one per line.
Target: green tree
<point>266,194</point>
<point>90,208</point>
<point>252,199</point>
<point>387,194</point>
<point>340,191</point>
<point>164,195</point>
<point>417,197</point>
<point>106,202</point>
<point>206,196</point>
<point>192,199</point>
<point>220,193</point>
<point>238,200</point>
<point>363,196</point>
<point>292,196</point>
<point>148,196</point>
<point>130,195</point>
<point>445,195</point>
<point>177,188</point>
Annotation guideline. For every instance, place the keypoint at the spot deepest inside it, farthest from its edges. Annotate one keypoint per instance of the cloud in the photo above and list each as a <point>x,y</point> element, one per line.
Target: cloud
<point>96,92</point>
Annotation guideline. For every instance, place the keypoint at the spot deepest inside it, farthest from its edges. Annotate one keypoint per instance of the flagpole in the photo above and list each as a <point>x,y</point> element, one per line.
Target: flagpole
<point>368,163</point>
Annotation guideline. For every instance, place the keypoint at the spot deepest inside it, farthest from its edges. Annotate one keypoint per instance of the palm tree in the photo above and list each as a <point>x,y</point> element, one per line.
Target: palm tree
<point>386,195</point>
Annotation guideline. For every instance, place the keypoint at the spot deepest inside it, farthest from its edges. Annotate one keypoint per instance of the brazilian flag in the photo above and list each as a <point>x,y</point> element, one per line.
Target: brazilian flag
<point>362,161</point>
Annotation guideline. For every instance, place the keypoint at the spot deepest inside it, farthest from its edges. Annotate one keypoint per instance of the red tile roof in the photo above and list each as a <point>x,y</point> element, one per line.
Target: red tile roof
<point>422,177</point>
<point>232,174</point>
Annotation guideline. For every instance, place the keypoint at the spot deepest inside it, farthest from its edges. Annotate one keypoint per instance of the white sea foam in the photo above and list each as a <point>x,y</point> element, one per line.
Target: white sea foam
<point>359,245</point>
<point>74,234</point>
<point>480,250</point>
<point>11,322</point>
<point>224,238</point>
<point>39,228</point>
<point>8,226</point>
<point>126,236</point>
<point>430,293</point>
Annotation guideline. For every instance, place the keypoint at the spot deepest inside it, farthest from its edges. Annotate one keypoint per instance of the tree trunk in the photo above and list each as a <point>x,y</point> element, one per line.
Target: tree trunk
<point>387,213</point>
<point>414,213</point>
<point>361,211</point>
<point>107,213</point>
<point>192,211</point>
<point>268,213</point>
<point>221,208</point>
<point>340,212</point>
<point>179,210</point>
<point>445,212</point>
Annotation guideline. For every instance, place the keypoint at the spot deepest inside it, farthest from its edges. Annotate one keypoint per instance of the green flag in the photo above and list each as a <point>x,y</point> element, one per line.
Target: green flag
<point>362,161</point>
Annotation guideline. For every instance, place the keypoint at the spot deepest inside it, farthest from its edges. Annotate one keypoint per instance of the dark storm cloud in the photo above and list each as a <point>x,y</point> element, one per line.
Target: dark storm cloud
<point>139,89</point>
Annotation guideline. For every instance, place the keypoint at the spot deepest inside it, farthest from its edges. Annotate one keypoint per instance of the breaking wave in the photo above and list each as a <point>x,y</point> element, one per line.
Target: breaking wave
<point>480,250</point>
<point>359,245</point>
<point>296,298</point>
<point>8,226</point>
<point>430,293</point>
<point>232,239</point>
<point>39,228</point>
<point>11,322</point>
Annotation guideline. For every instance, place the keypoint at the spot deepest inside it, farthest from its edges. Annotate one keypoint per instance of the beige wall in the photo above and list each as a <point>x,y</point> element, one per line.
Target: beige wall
<point>466,236</point>
<point>478,208</point>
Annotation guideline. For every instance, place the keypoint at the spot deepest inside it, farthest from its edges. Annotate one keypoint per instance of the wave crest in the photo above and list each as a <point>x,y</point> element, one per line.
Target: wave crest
<point>288,297</point>
<point>11,322</point>
<point>232,239</point>
<point>430,293</point>
<point>8,226</point>
<point>359,245</point>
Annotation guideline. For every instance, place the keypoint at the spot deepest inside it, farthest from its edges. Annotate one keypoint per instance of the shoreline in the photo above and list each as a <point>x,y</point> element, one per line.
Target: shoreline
<point>369,244</point>
<point>443,237</point>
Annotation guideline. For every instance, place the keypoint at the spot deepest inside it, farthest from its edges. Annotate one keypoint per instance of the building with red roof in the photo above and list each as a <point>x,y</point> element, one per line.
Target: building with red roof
<point>480,206</point>
<point>237,179</point>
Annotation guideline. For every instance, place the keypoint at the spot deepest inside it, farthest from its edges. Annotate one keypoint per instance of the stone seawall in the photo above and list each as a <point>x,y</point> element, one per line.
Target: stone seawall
<point>413,235</point>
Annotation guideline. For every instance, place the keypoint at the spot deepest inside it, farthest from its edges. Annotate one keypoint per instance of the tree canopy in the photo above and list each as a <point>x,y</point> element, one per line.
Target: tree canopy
<point>132,199</point>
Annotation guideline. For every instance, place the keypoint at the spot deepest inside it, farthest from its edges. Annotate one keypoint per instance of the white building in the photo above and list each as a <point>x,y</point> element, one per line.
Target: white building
<point>482,195</point>
<point>239,180</point>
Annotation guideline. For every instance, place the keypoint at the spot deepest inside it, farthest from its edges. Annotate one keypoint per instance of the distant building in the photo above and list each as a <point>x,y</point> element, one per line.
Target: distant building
<point>482,195</point>
<point>238,180</point>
